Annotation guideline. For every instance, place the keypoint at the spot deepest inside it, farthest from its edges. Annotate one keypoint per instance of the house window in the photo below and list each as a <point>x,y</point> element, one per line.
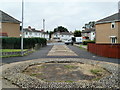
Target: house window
<point>113,40</point>
<point>112,25</point>
<point>93,33</point>
<point>26,33</point>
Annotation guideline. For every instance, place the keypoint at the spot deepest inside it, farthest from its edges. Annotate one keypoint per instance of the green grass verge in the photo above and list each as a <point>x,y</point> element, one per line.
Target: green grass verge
<point>81,46</point>
<point>12,50</point>
<point>17,55</point>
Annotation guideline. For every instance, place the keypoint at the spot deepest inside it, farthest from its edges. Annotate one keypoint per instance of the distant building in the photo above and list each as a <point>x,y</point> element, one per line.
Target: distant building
<point>63,36</point>
<point>88,34</point>
<point>108,29</point>
<point>32,32</point>
<point>9,26</point>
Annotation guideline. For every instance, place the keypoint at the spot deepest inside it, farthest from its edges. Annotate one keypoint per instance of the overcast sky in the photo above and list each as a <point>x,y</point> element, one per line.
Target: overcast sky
<point>70,14</point>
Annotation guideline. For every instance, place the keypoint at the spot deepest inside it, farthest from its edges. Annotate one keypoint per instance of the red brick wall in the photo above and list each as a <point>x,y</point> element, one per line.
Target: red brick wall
<point>106,50</point>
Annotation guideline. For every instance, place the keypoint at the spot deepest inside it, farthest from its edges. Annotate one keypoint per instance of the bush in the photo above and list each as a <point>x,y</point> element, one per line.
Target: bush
<point>15,43</point>
<point>86,42</point>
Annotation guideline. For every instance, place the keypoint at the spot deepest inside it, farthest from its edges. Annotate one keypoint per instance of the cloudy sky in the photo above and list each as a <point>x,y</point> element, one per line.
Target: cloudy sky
<point>72,14</point>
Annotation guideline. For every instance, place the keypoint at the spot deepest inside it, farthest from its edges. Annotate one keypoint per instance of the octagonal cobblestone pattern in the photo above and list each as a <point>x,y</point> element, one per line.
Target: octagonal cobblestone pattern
<point>13,73</point>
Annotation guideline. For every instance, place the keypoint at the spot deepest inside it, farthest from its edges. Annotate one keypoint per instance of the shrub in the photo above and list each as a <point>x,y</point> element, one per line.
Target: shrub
<point>15,43</point>
<point>86,42</point>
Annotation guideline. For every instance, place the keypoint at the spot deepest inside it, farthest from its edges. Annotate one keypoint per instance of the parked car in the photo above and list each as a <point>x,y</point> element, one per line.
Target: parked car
<point>69,42</point>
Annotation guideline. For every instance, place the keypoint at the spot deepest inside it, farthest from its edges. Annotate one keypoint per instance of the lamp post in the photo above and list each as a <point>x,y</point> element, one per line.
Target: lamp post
<point>22,28</point>
<point>44,26</point>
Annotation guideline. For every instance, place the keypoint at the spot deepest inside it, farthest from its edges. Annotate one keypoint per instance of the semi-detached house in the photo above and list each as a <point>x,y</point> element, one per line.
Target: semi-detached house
<point>107,37</point>
<point>32,32</point>
<point>108,29</point>
<point>9,26</point>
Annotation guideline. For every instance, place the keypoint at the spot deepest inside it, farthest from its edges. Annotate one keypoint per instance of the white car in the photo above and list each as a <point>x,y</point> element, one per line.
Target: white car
<point>69,42</point>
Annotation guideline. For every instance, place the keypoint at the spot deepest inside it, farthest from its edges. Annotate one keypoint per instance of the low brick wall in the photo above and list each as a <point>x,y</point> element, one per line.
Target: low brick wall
<point>37,46</point>
<point>106,50</point>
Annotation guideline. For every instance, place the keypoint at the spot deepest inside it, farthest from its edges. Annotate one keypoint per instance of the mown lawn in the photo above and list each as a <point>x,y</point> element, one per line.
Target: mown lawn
<point>83,45</point>
<point>12,50</point>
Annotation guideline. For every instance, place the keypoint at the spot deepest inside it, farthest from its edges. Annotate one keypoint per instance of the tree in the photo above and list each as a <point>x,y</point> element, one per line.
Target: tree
<point>77,33</point>
<point>50,34</point>
<point>61,29</point>
<point>89,25</point>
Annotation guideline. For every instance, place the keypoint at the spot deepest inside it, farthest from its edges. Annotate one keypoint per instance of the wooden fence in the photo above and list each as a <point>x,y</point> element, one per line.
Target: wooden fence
<point>106,50</point>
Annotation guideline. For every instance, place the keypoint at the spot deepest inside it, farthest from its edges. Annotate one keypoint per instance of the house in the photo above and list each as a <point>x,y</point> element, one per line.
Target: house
<point>63,36</point>
<point>45,35</point>
<point>9,26</point>
<point>88,34</point>
<point>108,29</point>
<point>107,37</point>
<point>32,32</point>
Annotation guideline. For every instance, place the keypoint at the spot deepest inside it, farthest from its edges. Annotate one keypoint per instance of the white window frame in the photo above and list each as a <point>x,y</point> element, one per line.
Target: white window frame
<point>113,23</point>
<point>113,39</point>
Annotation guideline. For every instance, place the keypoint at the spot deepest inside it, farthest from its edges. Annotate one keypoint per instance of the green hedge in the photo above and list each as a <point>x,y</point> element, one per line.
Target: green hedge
<point>15,43</point>
<point>86,42</point>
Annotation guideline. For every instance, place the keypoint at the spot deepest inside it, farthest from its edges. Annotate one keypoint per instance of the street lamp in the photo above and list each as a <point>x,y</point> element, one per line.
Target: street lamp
<point>44,27</point>
<point>22,28</point>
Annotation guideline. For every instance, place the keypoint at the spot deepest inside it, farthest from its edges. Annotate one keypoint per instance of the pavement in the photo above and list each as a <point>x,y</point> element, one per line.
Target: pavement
<point>43,53</point>
<point>83,53</point>
<point>55,51</point>
<point>61,50</point>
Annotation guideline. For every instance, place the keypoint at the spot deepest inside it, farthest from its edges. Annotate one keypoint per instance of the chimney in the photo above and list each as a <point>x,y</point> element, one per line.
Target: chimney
<point>119,6</point>
<point>29,27</point>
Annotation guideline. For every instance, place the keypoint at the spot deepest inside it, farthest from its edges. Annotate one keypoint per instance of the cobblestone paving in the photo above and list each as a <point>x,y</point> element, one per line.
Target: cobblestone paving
<point>61,50</point>
<point>13,73</point>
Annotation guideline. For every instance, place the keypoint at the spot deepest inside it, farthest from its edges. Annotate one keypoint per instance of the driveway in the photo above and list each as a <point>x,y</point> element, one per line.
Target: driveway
<point>43,53</point>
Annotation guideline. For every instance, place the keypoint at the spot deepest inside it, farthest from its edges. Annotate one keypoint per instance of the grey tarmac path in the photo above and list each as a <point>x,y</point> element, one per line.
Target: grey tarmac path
<point>83,53</point>
<point>42,53</point>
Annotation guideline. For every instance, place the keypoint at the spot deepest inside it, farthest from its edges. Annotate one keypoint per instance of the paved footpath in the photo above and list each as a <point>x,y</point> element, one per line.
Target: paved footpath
<point>56,51</point>
<point>43,53</point>
<point>61,50</point>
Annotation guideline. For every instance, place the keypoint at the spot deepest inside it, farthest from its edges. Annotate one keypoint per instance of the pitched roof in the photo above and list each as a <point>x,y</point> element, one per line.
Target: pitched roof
<point>31,30</point>
<point>4,17</point>
<point>63,33</point>
<point>88,30</point>
<point>114,17</point>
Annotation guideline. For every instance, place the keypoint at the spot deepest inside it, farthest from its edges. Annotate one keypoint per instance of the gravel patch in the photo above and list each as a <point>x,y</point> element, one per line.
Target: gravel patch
<point>15,75</point>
